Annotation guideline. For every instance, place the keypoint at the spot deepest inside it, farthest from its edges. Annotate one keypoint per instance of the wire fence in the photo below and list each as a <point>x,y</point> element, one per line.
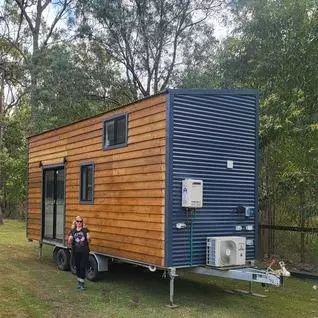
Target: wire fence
<point>292,244</point>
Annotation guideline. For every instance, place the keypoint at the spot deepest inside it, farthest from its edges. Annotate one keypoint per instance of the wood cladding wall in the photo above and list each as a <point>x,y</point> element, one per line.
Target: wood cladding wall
<point>127,217</point>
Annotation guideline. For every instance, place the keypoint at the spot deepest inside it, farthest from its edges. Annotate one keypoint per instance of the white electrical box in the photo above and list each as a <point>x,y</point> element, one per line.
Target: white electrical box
<point>192,193</point>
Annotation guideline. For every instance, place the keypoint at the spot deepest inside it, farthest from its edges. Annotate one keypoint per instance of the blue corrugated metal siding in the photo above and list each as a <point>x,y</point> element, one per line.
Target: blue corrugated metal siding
<point>208,129</point>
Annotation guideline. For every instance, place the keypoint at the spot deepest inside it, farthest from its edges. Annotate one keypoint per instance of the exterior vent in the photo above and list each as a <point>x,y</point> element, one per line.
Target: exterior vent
<point>225,251</point>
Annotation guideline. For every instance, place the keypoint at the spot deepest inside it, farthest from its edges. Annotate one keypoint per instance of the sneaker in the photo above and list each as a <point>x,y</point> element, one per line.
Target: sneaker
<point>78,285</point>
<point>82,286</point>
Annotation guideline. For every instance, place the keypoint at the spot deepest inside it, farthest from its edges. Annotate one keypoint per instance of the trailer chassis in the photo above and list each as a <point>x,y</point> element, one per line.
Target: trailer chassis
<point>249,274</point>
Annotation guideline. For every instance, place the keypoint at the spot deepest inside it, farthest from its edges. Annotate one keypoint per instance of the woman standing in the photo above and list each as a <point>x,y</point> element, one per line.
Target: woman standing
<point>79,240</point>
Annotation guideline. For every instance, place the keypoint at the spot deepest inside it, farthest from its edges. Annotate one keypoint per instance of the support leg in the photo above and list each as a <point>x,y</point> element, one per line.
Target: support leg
<point>250,288</point>
<point>40,250</point>
<point>172,275</point>
<point>250,291</point>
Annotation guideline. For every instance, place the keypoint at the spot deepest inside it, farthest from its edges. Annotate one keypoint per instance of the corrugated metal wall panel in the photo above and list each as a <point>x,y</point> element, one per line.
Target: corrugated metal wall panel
<point>210,128</point>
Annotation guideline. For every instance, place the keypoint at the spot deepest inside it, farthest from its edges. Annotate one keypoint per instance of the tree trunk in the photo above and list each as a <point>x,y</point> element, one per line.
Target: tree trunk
<point>33,97</point>
<point>268,207</point>
<point>1,145</point>
<point>33,73</point>
<point>302,225</point>
<point>302,245</point>
<point>273,222</point>
<point>1,215</point>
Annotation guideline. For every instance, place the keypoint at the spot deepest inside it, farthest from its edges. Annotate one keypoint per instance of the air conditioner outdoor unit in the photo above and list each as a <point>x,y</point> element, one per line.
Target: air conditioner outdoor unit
<point>225,251</point>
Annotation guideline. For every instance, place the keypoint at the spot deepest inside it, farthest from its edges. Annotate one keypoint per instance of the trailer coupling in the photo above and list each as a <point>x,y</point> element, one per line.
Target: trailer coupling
<point>282,271</point>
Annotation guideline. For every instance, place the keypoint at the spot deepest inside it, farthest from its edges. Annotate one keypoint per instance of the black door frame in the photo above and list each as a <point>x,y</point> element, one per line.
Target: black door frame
<point>44,169</point>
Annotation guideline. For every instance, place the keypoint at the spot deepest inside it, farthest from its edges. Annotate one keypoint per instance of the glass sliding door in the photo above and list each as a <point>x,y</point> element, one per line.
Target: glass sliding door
<point>53,203</point>
<point>48,204</point>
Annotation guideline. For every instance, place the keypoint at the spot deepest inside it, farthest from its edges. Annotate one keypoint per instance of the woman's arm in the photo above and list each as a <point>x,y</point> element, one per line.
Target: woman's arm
<point>70,240</point>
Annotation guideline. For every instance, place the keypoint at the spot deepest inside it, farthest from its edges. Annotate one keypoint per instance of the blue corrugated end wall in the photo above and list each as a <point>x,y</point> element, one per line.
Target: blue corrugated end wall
<point>205,129</point>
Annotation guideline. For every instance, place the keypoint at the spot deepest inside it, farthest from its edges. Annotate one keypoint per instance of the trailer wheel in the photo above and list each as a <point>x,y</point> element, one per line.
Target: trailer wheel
<point>54,254</point>
<point>63,259</point>
<point>92,268</point>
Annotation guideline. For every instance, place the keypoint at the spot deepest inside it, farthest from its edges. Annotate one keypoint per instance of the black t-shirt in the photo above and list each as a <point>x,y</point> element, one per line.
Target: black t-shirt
<point>80,243</point>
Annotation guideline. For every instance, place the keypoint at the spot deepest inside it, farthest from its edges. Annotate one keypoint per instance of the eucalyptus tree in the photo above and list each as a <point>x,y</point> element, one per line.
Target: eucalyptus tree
<point>12,85</point>
<point>66,78</point>
<point>275,49</point>
<point>49,76</point>
<point>43,22</point>
<point>149,38</point>
<point>24,34</point>
<point>77,80</point>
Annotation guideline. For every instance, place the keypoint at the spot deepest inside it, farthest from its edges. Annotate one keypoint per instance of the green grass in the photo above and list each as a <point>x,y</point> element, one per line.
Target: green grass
<point>30,287</point>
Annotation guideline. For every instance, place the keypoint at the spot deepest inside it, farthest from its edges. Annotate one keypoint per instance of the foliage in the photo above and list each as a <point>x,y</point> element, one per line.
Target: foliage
<point>278,47</point>
<point>274,48</point>
<point>37,34</point>
<point>75,81</point>
<point>47,78</point>
<point>13,161</point>
<point>149,38</point>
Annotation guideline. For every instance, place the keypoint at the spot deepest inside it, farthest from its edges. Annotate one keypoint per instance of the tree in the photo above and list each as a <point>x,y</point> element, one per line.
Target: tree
<point>31,13</point>
<point>61,84</point>
<point>48,81</point>
<point>148,38</point>
<point>274,48</point>
<point>76,81</point>
<point>12,79</point>
<point>15,163</point>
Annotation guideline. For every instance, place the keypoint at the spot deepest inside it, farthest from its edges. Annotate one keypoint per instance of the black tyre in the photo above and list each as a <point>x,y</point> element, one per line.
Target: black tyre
<point>63,259</point>
<point>92,268</point>
<point>54,254</point>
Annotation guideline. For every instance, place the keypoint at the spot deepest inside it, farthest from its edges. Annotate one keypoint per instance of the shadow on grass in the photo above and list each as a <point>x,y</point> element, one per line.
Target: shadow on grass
<point>143,283</point>
<point>138,288</point>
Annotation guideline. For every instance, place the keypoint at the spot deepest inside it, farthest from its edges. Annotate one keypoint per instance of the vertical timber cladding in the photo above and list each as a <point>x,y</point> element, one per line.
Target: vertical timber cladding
<point>210,128</point>
<point>126,218</point>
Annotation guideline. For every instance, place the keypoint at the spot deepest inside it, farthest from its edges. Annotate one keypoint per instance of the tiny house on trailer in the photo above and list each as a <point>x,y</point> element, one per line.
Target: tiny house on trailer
<point>166,182</point>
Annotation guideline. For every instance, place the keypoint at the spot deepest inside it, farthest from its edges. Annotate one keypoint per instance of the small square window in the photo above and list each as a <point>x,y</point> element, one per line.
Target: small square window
<point>115,132</point>
<point>87,183</point>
